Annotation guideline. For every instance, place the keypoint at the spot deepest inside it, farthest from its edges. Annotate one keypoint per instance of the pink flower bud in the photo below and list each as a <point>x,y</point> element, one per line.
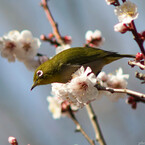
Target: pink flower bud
<point>139,56</point>
<point>67,39</point>
<point>12,140</point>
<point>65,106</point>
<point>121,27</point>
<point>134,105</point>
<point>42,37</point>
<point>130,100</point>
<point>50,36</point>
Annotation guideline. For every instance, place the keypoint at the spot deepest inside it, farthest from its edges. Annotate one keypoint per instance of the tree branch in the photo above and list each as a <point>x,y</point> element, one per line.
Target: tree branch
<point>137,95</point>
<point>52,22</point>
<point>137,38</point>
<point>136,63</point>
<point>95,123</point>
<point>79,128</point>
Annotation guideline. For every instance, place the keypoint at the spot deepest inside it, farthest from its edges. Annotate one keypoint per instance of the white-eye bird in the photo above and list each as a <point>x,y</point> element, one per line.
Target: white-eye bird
<point>61,67</point>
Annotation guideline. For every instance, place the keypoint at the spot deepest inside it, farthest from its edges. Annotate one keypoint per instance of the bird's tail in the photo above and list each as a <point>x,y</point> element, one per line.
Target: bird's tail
<point>114,56</point>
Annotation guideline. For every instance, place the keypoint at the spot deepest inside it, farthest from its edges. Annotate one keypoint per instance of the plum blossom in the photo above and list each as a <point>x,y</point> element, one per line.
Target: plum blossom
<point>54,107</point>
<point>83,86</point>
<point>27,46</point>
<point>126,12</point>
<point>117,81</point>
<point>59,108</point>
<point>8,45</point>
<point>22,46</point>
<point>94,39</point>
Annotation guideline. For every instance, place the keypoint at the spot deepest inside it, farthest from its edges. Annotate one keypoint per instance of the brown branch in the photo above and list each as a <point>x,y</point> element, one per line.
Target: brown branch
<point>52,22</point>
<point>79,128</point>
<point>137,95</point>
<point>137,38</point>
<point>95,123</point>
<point>136,63</point>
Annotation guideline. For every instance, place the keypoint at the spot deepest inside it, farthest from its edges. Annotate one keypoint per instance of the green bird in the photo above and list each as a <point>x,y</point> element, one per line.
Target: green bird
<point>61,67</point>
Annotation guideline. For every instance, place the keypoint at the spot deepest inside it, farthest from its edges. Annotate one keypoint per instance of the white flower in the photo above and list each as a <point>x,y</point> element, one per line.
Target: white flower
<point>121,27</point>
<point>82,86</point>
<point>95,38</point>
<point>126,12</point>
<point>117,81</point>
<point>54,107</point>
<point>109,2</point>
<point>21,46</point>
<point>61,91</point>
<point>27,46</point>
<point>61,48</point>
<point>102,76</point>
<point>93,35</point>
<point>8,45</point>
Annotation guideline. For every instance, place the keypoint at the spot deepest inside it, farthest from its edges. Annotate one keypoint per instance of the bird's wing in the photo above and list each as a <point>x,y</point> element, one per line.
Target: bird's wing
<point>81,55</point>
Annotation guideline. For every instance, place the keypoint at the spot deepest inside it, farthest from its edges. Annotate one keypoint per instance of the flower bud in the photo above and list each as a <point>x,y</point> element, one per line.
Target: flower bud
<point>12,140</point>
<point>139,56</point>
<point>121,27</point>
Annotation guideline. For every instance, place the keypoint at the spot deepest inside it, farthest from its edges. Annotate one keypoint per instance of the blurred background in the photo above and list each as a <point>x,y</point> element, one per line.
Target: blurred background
<point>24,114</point>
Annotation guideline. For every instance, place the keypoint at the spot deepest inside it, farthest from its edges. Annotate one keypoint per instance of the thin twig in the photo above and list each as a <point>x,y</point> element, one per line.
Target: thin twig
<point>137,95</point>
<point>79,128</point>
<point>136,63</point>
<point>52,22</point>
<point>95,123</point>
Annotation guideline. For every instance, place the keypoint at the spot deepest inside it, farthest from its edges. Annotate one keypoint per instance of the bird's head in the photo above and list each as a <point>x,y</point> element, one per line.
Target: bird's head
<point>43,75</point>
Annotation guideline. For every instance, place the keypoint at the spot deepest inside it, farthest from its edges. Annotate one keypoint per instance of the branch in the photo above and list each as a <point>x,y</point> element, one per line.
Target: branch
<point>52,22</point>
<point>137,38</point>
<point>79,128</point>
<point>136,63</point>
<point>94,121</point>
<point>137,95</point>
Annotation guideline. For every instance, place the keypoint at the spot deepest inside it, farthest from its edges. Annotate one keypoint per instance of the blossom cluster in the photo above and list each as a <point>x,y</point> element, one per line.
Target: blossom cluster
<point>126,13</point>
<point>81,89</point>
<point>94,39</point>
<point>21,46</point>
<point>117,81</point>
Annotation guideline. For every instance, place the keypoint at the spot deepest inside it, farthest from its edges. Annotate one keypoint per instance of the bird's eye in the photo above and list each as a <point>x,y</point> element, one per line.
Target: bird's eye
<point>39,73</point>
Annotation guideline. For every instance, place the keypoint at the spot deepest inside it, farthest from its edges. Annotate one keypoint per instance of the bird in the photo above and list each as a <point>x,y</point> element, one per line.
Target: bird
<point>59,69</point>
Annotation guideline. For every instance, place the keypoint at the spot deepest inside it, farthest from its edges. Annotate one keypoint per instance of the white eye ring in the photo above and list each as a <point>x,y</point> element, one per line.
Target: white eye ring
<point>39,73</point>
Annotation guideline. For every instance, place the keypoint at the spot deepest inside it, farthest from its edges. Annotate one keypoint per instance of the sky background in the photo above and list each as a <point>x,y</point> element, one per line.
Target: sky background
<point>24,114</point>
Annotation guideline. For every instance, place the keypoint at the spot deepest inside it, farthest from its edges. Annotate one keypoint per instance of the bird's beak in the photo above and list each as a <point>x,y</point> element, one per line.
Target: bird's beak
<point>34,85</point>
